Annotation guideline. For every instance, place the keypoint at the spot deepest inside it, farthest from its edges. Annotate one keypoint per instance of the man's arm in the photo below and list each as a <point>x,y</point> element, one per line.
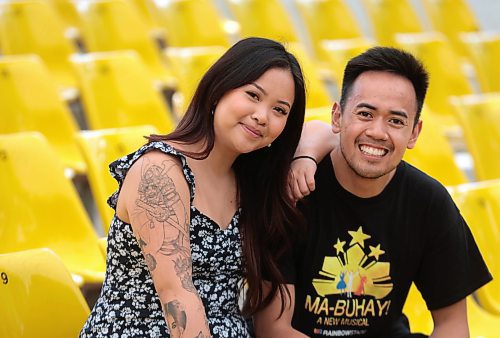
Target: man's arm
<point>451,321</point>
<point>266,322</point>
<point>317,141</point>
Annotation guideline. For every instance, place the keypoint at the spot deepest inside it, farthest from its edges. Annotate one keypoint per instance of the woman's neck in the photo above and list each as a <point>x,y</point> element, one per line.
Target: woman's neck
<point>218,163</point>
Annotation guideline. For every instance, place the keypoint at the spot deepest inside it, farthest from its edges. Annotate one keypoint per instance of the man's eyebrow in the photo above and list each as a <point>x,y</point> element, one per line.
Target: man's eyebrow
<point>265,93</point>
<point>399,113</point>
<point>394,112</point>
<point>366,105</point>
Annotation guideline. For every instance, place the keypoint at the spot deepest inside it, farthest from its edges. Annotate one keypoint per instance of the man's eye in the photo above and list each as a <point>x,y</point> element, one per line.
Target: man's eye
<point>364,114</point>
<point>398,122</point>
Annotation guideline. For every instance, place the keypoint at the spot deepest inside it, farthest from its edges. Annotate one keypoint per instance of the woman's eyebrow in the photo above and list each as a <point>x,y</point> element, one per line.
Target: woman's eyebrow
<point>265,93</point>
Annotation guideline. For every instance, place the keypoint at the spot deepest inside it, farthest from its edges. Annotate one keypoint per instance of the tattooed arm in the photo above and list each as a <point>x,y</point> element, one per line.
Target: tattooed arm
<point>156,199</point>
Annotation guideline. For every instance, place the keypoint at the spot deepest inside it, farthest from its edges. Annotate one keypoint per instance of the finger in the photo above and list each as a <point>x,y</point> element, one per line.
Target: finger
<point>291,186</point>
<point>296,191</point>
<point>310,181</point>
<point>289,190</point>
<point>303,186</point>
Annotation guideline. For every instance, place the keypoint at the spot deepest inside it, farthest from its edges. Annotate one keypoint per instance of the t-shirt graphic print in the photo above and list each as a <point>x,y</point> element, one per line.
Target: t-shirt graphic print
<point>351,287</point>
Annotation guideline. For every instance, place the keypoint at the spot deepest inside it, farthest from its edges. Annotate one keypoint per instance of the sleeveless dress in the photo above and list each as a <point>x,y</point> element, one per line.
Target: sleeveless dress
<point>128,305</point>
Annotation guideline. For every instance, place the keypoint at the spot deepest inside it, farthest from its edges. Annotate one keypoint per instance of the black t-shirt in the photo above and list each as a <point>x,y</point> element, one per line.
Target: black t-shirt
<point>353,270</point>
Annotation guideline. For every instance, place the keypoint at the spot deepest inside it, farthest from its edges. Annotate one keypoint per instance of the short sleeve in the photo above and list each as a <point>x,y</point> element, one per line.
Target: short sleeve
<point>452,265</point>
<point>120,167</point>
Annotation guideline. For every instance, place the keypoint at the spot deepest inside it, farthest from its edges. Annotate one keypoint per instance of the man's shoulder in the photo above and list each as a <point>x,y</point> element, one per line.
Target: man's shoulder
<point>418,181</point>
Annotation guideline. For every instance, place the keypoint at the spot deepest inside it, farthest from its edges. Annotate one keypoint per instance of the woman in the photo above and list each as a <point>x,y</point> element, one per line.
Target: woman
<point>177,255</point>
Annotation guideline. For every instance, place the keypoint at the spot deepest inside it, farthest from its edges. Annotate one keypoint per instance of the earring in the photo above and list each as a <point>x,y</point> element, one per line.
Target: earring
<point>269,145</point>
<point>212,111</point>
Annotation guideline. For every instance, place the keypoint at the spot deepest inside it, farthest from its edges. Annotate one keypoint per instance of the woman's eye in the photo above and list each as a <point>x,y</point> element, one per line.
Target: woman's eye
<point>253,95</point>
<point>281,110</point>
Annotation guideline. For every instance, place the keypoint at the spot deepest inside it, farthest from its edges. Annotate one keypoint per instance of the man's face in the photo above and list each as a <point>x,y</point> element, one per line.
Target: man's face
<point>376,125</point>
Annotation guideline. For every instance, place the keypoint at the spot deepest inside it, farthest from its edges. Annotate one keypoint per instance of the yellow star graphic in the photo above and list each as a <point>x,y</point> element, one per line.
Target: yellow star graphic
<point>358,237</point>
<point>376,251</point>
<point>339,246</point>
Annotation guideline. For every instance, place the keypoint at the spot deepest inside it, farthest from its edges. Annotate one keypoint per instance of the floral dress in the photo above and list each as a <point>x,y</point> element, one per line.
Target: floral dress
<point>128,305</point>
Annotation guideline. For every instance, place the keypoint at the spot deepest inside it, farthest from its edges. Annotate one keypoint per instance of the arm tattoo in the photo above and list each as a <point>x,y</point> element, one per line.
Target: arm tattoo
<point>150,261</point>
<point>182,267</point>
<point>166,217</point>
<point>177,316</point>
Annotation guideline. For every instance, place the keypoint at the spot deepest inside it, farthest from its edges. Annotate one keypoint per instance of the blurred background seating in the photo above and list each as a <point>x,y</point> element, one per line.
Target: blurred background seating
<point>81,83</point>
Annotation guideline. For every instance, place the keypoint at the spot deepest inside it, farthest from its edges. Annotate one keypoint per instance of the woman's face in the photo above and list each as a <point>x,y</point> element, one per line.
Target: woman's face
<point>254,115</point>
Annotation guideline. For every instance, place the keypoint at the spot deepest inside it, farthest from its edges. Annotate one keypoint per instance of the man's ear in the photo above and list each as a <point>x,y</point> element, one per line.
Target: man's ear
<point>336,116</point>
<point>414,134</point>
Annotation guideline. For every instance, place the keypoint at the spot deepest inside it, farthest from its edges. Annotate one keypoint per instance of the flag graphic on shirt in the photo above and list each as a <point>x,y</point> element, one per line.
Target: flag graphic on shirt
<point>356,270</point>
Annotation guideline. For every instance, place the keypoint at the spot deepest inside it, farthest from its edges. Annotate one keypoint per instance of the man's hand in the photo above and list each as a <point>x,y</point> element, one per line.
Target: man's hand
<point>301,178</point>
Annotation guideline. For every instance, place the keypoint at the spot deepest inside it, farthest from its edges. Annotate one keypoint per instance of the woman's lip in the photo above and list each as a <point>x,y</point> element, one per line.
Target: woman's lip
<point>252,131</point>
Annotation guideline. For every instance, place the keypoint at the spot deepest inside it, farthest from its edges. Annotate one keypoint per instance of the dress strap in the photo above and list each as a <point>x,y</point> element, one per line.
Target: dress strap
<point>120,167</point>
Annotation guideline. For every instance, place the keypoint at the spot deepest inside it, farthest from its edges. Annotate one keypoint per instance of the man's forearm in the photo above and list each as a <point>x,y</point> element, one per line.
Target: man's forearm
<point>317,140</point>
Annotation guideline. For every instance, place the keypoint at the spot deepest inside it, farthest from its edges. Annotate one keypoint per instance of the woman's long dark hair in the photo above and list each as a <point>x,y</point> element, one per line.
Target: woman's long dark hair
<point>268,219</point>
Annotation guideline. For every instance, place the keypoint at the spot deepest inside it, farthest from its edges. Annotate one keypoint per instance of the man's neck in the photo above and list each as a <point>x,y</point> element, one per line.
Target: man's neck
<point>355,184</point>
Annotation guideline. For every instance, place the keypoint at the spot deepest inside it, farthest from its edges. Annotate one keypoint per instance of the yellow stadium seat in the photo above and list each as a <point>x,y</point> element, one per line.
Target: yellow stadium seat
<point>111,25</point>
<point>316,90</point>
<point>189,65</point>
<point>40,208</point>
<point>100,148</point>
<point>66,10</point>
<point>327,20</point>
<point>445,81</point>
<point>103,244</point>
<point>339,52</point>
<point>263,18</point>
<point>433,153</point>
<point>418,315</point>
<point>38,297</point>
<point>479,203</point>
<point>322,114</point>
<point>33,27</point>
<point>147,12</point>
<point>452,17</point>
<point>29,102</point>
<point>117,91</point>
<point>389,17</point>
<point>199,19</point>
<point>478,116</point>
<point>482,324</point>
<point>484,51</point>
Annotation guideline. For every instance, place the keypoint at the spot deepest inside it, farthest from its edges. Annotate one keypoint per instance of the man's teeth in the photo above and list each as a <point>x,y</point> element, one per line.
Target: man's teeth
<point>372,151</point>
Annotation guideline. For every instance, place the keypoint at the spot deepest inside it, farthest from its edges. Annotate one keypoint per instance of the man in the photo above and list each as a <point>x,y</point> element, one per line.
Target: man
<point>376,224</point>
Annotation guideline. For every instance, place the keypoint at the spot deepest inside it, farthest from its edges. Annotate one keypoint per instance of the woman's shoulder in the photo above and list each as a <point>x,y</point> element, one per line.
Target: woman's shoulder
<point>159,160</point>
<point>153,152</point>
<point>159,154</point>
<point>154,162</point>
<point>155,174</point>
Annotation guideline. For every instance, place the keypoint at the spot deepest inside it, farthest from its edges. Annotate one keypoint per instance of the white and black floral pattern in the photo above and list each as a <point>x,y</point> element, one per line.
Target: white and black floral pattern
<point>128,305</point>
